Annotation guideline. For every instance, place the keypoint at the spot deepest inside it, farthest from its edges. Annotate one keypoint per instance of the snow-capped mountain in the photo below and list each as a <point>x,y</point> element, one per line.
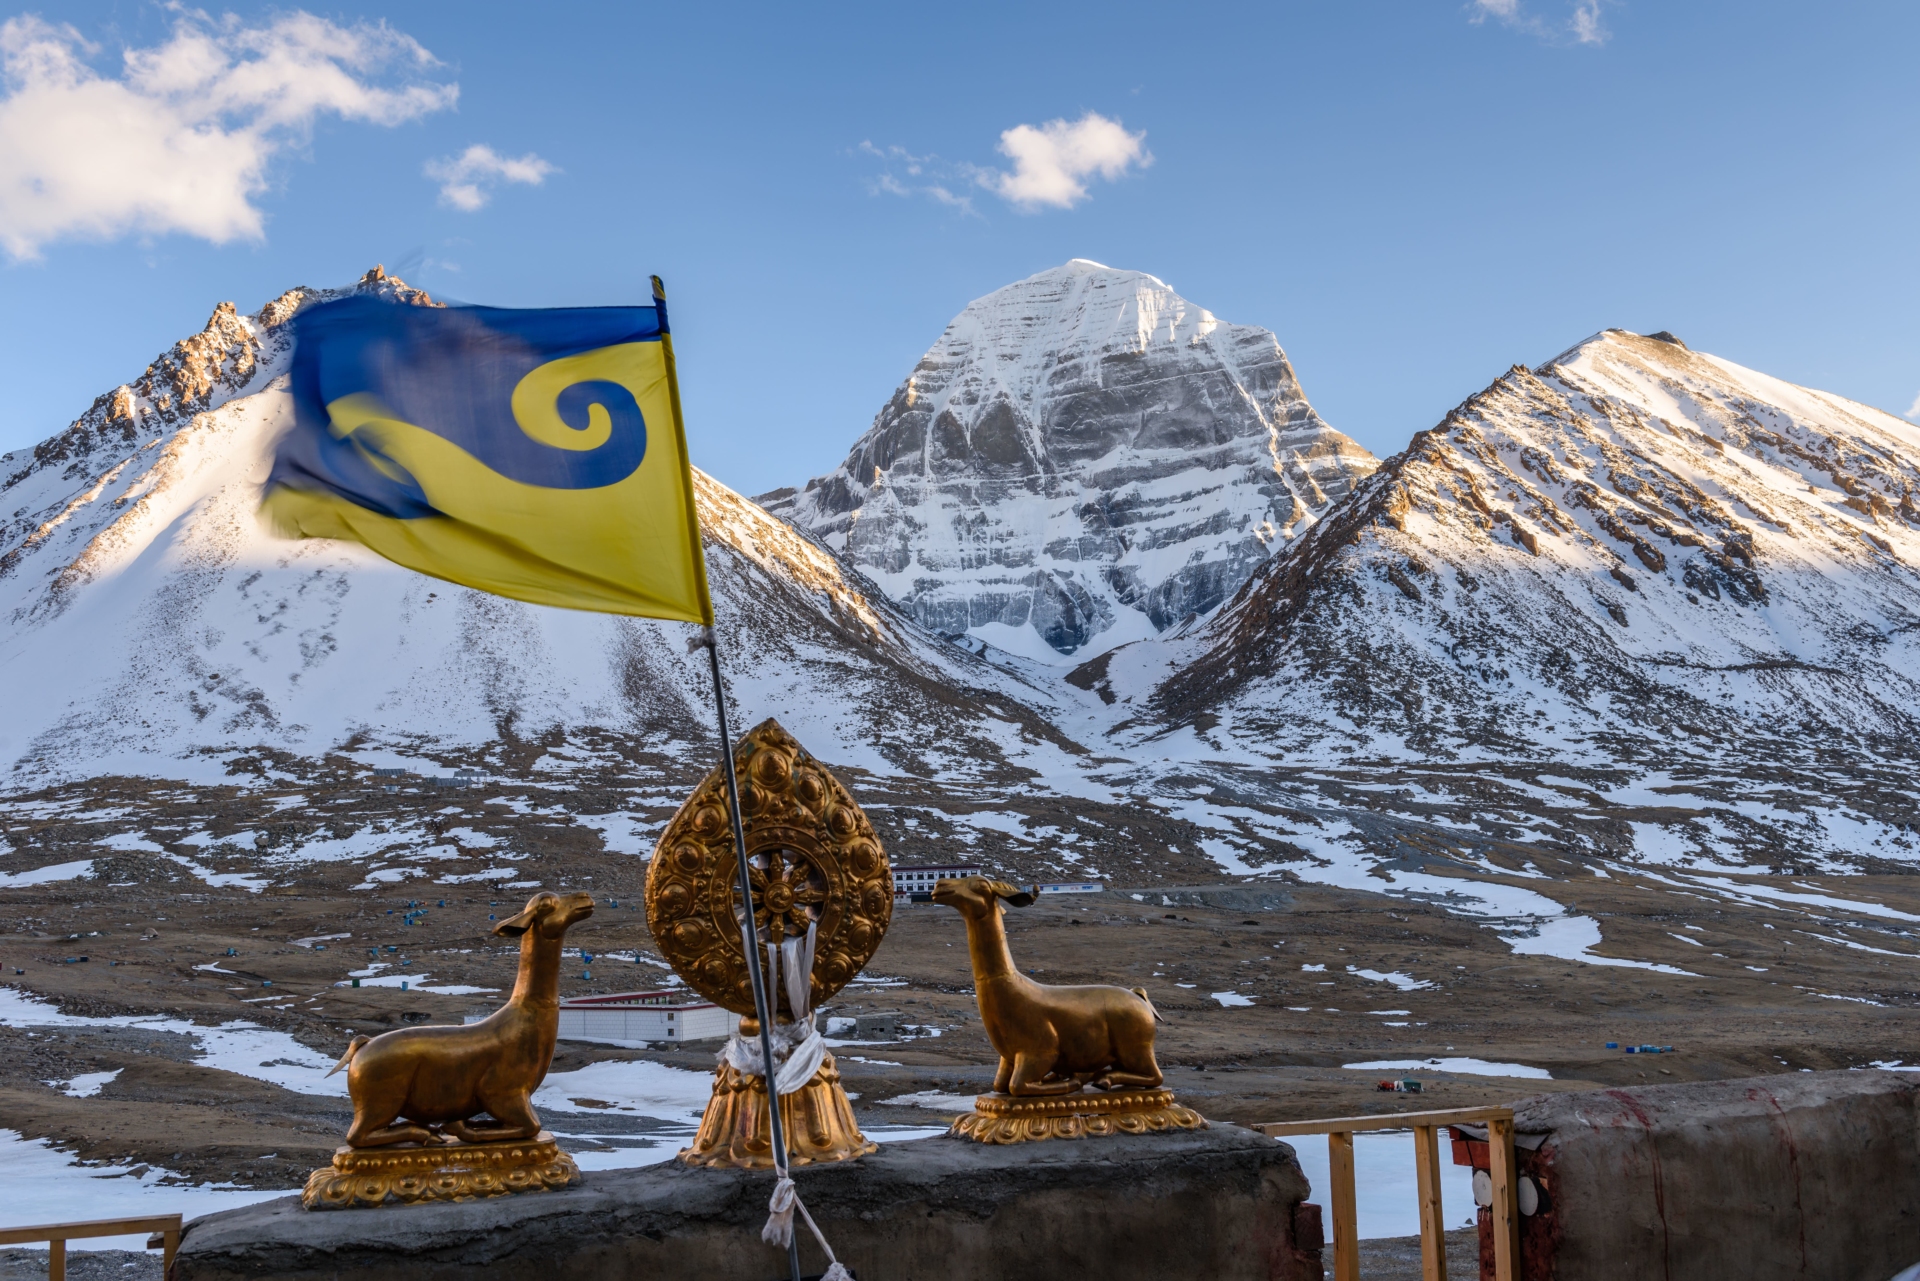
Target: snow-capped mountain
<point>1084,458</point>
<point>149,620</point>
<point>1639,614</point>
<point>1634,553</point>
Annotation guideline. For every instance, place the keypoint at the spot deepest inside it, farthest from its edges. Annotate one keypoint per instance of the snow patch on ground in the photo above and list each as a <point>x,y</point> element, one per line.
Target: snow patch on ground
<point>1458,1066</point>
<point>933,1100</point>
<point>635,1087</point>
<point>246,1049</point>
<point>86,1085</point>
<point>49,874</point>
<point>131,842</point>
<point>45,1185</point>
<point>622,833</point>
<point>1405,982</point>
<point>1572,938</point>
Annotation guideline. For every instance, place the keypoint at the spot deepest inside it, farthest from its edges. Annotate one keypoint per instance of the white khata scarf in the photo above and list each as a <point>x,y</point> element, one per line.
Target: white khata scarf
<point>798,1051</point>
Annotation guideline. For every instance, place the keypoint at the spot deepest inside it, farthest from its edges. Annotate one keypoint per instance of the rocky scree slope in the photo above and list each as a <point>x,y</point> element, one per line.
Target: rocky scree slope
<point>1635,554</point>
<point>152,621</point>
<point>1084,458</point>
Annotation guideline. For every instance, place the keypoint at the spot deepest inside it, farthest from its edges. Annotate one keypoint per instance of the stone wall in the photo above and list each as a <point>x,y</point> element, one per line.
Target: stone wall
<point>1802,1176</point>
<point>1218,1203</point>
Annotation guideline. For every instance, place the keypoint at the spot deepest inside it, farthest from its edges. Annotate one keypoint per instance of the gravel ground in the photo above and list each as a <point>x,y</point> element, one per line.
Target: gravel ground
<point>83,1265</point>
<point>1398,1258</point>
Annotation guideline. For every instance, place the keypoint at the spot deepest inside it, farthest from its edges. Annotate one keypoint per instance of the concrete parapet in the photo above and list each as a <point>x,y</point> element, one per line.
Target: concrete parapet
<point>1808,1175</point>
<point>1217,1203</point>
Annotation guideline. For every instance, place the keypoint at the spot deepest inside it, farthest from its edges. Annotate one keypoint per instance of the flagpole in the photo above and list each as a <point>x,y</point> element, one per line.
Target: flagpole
<point>762,999</point>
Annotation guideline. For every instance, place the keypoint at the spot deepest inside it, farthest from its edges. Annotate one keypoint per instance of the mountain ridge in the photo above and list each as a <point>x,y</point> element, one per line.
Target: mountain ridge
<point>1645,542</point>
<point>1425,692</point>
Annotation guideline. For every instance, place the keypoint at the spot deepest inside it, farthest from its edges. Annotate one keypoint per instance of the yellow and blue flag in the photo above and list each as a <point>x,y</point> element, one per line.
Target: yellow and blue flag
<point>535,454</point>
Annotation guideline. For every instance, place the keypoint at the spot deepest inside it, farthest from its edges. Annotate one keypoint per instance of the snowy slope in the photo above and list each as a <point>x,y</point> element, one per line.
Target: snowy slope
<point>1634,553</point>
<point>1084,458</point>
<point>150,623</point>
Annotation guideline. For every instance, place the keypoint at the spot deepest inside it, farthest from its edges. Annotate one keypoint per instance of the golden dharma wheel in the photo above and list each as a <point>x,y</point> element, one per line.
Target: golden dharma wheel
<point>815,860</point>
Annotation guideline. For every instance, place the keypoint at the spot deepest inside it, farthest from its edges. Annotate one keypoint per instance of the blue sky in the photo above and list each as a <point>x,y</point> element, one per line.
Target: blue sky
<point>1413,196</point>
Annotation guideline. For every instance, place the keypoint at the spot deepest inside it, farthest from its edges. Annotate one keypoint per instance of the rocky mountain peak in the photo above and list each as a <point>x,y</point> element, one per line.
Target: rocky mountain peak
<point>1083,458</point>
<point>226,358</point>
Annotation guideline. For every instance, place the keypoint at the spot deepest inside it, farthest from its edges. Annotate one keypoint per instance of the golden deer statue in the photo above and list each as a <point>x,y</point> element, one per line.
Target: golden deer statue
<point>440,1078</point>
<point>1051,1040</point>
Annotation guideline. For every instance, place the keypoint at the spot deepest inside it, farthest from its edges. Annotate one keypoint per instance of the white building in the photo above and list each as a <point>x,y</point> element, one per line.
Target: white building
<point>920,879</point>
<point>637,1018</point>
<point>1071,887</point>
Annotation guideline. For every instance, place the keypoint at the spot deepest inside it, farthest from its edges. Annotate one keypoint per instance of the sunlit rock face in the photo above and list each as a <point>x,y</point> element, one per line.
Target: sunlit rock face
<point>1084,458</point>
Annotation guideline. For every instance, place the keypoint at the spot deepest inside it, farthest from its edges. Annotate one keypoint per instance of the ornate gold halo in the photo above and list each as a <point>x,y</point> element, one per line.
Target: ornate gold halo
<point>815,859</point>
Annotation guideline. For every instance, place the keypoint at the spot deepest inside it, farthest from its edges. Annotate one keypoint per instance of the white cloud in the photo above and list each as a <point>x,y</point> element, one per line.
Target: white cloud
<point>1582,26</point>
<point>1051,162</point>
<point>467,180</point>
<point>1051,165</point>
<point>926,175</point>
<point>1586,23</point>
<point>1913,411</point>
<point>182,140</point>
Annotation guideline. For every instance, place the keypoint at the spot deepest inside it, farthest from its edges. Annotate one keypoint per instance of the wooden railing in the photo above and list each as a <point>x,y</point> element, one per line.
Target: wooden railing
<point>165,1230</point>
<point>1426,1157</point>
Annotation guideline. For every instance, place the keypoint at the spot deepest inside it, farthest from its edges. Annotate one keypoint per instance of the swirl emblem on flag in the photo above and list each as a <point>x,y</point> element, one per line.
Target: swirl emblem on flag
<point>581,427</point>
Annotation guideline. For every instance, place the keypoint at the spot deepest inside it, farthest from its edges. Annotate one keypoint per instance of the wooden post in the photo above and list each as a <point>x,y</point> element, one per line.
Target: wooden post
<point>171,1238</point>
<point>1506,1207</point>
<point>1433,1222</point>
<point>56,1260</point>
<point>1346,1227</point>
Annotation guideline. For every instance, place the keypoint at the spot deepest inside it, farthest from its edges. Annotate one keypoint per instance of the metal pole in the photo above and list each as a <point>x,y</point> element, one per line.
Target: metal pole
<point>762,1000</point>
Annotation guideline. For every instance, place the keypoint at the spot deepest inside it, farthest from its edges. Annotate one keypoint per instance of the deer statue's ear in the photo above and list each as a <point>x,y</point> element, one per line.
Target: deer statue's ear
<point>1012,895</point>
<point>515,926</point>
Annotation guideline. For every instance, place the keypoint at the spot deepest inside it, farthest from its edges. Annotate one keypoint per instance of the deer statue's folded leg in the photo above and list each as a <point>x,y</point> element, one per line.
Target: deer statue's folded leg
<point>1136,1065</point>
<point>361,1134</point>
<point>514,1118</point>
<point>1030,1077</point>
<point>467,1132</point>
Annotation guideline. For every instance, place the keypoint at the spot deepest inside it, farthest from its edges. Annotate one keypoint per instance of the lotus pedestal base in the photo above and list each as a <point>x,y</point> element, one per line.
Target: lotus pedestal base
<point>1001,1118</point>
<point>444,1172</point>
<point>817,1117</point>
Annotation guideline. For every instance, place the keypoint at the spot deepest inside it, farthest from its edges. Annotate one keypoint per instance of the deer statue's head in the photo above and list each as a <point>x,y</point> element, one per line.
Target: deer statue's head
<point>548,915</point>
<point>977,898</point>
